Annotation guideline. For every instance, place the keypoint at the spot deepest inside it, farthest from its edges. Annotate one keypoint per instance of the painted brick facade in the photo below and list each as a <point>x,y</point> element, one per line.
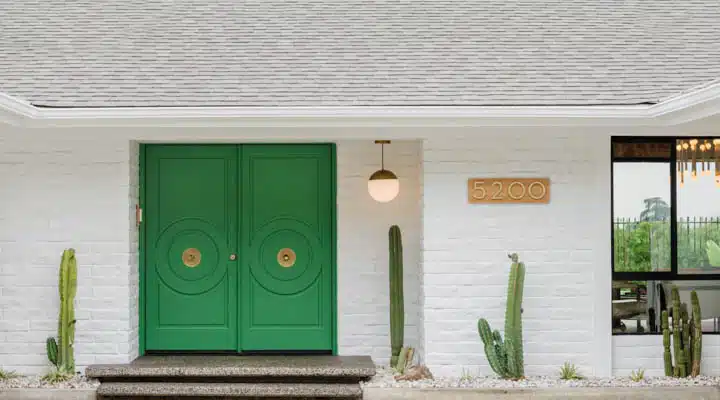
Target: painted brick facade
<point>565,245</point>
<point>80,191</point>
<point>363,286</point>
<point>632,352</point>
<point>61,192</point>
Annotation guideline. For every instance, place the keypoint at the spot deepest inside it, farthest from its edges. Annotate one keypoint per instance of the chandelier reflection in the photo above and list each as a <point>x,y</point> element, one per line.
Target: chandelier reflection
<point>698,157</point>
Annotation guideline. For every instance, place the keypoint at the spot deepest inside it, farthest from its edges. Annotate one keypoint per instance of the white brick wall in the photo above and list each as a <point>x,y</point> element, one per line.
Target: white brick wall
<point>565,245</point>
<point>363,286</point>
<point>631,352</point>
<point>79,189</point>
<point>60,192</point>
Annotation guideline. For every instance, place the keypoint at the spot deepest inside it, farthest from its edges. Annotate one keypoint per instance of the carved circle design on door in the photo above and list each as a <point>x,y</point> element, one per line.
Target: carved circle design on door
<point>191,275</point>
<point>267,245</point>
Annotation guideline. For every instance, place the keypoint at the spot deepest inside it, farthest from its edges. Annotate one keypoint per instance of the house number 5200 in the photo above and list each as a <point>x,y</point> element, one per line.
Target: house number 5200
<point>508,190</point>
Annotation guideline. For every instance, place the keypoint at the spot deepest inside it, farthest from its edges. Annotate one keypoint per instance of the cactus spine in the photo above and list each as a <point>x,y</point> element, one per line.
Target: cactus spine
<point>60,351</point>
<point>686,337</point>
<point>506,357</point>
<point>397,306</point>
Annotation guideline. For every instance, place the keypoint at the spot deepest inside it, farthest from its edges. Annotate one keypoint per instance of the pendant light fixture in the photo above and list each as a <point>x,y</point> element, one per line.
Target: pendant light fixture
<point>693,152</point>
<point>383,184</point>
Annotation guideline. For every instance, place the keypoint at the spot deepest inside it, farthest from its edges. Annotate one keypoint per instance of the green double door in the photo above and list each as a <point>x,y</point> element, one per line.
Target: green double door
<point>238,246</point>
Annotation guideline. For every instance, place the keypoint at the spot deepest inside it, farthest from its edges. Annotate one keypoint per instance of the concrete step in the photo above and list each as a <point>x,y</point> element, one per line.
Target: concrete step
<point>237,369</point>
<point>141,390</point>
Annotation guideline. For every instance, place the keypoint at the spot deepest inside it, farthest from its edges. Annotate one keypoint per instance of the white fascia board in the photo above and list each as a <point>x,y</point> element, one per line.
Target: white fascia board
<point>688,107</point>
<point>14,111</point>
<point>674,111</point>
<point>347,116</point>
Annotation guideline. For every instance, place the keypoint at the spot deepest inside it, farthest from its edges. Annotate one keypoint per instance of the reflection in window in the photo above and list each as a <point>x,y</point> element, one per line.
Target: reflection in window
<point>636,305</point>
<point>641,209</point>
<point>698,202</point>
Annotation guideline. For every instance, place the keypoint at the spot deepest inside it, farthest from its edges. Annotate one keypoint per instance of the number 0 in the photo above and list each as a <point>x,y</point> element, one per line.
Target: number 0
<point>510,193</point>
<point>543,192</point>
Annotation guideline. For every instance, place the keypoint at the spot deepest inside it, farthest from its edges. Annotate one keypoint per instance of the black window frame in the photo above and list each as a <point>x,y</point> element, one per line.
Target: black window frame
<point>673,274</point>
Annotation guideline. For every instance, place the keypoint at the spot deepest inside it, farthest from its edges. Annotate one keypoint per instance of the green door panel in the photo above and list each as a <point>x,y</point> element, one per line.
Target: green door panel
<point>191,203</point>
<point>286,209</point>
<point>273,206</point>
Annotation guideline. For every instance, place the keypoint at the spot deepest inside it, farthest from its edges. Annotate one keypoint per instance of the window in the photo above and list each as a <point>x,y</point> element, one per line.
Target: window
<point>665,229</point>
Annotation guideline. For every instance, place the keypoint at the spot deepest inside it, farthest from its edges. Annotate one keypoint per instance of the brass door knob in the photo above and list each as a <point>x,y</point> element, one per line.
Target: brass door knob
<point>286,257</point>
<point>233,257</point>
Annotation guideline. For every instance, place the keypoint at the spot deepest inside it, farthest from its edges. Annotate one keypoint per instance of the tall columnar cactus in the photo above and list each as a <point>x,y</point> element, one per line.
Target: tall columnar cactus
<point>696,334</point>
<point>397,306</point>
<point>678,349</point>
<point>506,356</point>
<point>667,356</point>
<point>60,351</point>
<point>686,337</point>
<point>685,324</point>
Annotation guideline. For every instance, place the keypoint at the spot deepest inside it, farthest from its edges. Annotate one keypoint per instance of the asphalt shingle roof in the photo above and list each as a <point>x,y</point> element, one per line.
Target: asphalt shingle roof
<point>355,52</point>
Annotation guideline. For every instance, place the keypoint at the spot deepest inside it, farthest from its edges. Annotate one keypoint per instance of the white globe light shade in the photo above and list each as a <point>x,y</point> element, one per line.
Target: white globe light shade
<point>383,186</point>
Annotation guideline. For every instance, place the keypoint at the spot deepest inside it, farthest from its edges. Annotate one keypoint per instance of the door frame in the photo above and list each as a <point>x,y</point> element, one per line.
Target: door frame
<point>142,263</point>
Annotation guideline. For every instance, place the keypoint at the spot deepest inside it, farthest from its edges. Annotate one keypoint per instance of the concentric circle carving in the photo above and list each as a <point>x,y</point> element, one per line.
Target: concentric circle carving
<point>191,256</point>
<point>282,258</point>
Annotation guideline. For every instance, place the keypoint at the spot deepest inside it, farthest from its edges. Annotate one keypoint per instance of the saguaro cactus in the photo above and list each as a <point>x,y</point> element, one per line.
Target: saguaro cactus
<point>397,305</point>
<point>686,337</point>
<point>506,357</point>
<point>60,351</point>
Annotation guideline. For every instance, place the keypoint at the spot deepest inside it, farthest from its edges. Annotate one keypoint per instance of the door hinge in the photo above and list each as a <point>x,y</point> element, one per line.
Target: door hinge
<point>138,214</point>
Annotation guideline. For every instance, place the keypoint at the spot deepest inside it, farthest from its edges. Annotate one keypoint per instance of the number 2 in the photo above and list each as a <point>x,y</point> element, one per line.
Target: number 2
<point>498,195</point>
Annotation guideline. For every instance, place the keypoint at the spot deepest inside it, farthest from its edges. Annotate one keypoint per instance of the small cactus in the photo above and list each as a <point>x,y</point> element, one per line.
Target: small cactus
<point>52,351</point>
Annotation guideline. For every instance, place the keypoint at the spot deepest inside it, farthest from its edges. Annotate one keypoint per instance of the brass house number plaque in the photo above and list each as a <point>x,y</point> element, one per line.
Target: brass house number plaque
<point>508,190</point>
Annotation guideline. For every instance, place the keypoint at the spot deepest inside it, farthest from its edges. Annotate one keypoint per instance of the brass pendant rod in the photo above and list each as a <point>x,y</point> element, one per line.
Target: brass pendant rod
<point>382,144</point>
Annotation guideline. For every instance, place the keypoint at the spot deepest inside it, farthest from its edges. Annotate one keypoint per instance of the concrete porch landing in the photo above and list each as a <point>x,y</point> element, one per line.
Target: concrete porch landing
<point>221,376</point>
<point>221,366</point>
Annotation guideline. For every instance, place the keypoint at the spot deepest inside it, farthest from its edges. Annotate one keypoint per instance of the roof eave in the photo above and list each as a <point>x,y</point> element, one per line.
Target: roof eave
<point>685,108</point>
<point>14,111</point>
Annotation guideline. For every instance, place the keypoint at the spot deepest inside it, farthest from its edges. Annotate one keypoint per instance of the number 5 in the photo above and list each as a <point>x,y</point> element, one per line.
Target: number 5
<point>478,186</point>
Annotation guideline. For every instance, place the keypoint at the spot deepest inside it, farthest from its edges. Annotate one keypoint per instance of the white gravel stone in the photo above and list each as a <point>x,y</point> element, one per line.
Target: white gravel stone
<point>385,379</point>
<point>36,382</point>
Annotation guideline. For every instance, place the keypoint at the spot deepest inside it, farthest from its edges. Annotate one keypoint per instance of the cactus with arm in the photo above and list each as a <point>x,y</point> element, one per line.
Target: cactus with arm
<point>686,337</point>
<point>60,351</point>
<point>506,357</point>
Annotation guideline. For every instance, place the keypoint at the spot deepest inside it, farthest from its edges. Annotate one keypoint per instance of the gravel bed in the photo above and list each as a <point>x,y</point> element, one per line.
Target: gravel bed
<point>35,382</point>
<point>385,379</point>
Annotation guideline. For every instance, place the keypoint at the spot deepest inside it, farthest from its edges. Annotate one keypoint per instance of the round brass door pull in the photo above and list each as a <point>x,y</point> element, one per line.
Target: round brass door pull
<point>233,257</point>
<point>286,257</point>
<point>191,257</point>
